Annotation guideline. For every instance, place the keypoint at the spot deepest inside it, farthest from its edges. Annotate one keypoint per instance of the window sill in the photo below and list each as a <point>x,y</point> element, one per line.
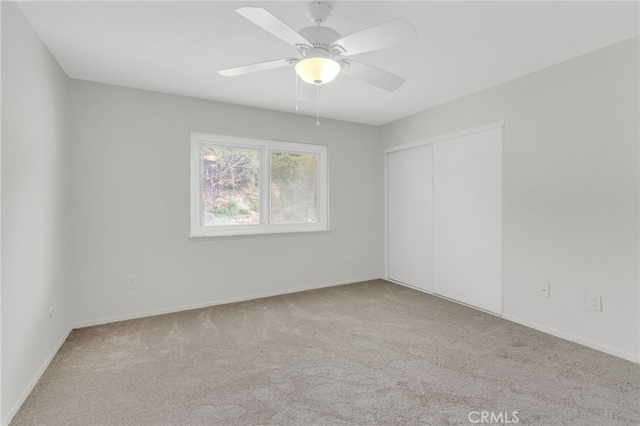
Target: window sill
<point>279,233</point>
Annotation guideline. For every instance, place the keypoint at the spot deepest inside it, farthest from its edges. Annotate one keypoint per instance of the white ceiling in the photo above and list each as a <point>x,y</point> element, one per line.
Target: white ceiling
<point>463,47</point>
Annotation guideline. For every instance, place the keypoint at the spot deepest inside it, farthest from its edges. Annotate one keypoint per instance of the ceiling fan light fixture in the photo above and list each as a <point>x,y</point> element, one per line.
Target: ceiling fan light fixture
<point>317,69</point>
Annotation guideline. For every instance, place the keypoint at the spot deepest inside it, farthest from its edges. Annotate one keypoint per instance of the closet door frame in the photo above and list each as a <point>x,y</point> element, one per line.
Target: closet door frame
<point>410,217</point>
<point>429,141</point>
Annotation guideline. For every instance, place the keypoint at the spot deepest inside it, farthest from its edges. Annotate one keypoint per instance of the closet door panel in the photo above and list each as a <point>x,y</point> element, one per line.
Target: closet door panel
<point>410,216</point>
<point>467,219</point>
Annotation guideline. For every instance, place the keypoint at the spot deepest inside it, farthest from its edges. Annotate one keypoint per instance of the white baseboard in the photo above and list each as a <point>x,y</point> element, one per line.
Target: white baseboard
<point>628,356</point>
<point>35,378</point>
<point>106,320</point>
<point>566,336</point>
<point>422,290</point>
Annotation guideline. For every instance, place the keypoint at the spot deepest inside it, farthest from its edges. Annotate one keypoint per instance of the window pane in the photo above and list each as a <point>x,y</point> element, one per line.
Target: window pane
<point>294,188</point>
<point>230,186</point>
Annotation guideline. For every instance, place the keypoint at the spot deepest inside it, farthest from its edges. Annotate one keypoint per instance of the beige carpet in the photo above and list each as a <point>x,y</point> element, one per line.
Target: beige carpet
<point>366,353</point>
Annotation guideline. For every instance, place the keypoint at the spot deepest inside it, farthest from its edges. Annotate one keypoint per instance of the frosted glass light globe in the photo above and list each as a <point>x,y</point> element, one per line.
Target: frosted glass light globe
<point>317,69</point>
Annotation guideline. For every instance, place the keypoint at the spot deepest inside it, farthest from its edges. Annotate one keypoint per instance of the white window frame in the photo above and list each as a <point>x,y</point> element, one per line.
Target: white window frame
<point>266,147</point>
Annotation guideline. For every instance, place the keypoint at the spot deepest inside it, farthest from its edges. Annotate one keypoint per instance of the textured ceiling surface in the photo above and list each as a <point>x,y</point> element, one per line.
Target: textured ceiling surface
<point>462,47</point>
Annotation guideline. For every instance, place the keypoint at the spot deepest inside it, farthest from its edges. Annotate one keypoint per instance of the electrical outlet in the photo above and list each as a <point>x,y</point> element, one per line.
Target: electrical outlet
<point>132,282</point>
<point>594,302</point>
<point>545,290</point>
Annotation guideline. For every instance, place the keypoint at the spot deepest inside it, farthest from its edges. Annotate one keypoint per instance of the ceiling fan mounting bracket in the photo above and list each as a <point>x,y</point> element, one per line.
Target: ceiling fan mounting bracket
<point>304,49</point>
<point>321,51</point>
<point>318,12</point>
<point>338,50</point>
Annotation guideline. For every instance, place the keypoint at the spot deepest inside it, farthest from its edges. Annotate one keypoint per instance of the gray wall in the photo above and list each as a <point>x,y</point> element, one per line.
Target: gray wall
<point>34,194</point>
<point>95,187</point>
<point>130,198</point>
<point>571,191</point>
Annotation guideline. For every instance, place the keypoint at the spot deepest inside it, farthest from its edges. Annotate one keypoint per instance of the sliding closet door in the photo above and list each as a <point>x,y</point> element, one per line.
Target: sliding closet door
<point>467,219</point>
<point>410,216</point>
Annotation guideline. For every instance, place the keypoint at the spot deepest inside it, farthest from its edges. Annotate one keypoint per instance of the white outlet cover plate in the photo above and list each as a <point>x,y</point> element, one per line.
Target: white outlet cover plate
<point>594,302</point>
<point>132,281</point>
<point>544,290</point>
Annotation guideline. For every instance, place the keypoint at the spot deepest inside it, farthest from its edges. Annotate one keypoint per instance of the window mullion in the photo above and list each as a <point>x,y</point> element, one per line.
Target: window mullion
<point>228,209</point>
<point>265,203</point>
<point>200,187</point>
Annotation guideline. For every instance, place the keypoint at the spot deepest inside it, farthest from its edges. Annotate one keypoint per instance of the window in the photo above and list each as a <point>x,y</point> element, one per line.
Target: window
<point>251,186</point>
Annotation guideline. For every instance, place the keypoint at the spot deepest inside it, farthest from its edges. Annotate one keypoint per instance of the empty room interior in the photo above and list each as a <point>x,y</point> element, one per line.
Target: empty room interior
<point>367,212</point>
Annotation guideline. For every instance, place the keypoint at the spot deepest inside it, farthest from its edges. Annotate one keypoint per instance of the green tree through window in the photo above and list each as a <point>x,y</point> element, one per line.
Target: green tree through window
<point>294,188</point>
<point>244,186</point>
<point>230,186</point>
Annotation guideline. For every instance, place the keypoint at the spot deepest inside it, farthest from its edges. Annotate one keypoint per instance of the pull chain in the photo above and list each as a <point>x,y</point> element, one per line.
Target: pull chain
<point>297,84</point>
<point>317,105</point>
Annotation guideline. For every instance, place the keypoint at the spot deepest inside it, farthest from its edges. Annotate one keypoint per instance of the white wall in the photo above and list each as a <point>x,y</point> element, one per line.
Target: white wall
<point>34,232</point>
<point>571,191</point>
<point>130,199</point>
<point>95,187</point>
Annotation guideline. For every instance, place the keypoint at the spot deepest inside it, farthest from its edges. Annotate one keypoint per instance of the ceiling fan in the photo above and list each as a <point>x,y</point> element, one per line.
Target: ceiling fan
<point>324,53</point>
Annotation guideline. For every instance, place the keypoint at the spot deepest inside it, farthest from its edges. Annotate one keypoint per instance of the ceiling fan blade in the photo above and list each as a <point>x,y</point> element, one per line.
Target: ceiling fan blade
<point>377,37</point>
<point>273,25</point>
<point>372,75</point>
<point>260,66</point>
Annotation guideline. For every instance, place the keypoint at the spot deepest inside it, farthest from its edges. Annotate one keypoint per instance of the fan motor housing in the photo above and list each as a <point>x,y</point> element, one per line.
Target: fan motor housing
<point>321,37</point>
